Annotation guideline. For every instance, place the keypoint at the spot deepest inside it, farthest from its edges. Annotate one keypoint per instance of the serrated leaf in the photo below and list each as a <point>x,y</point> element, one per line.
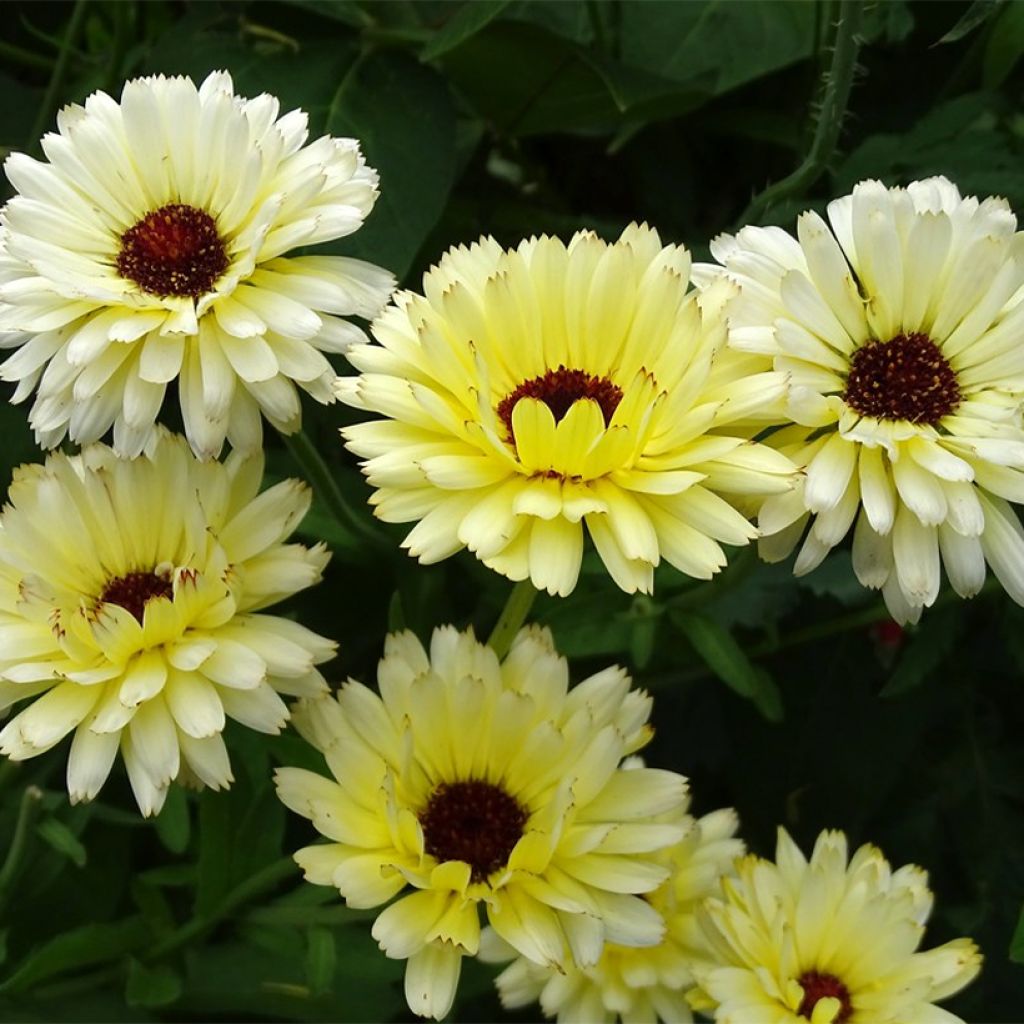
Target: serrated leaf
<point>463,25</point>
<point>724,656</point>
<point>321,958</point>
<point>151,986</point>
<point>55,833</point>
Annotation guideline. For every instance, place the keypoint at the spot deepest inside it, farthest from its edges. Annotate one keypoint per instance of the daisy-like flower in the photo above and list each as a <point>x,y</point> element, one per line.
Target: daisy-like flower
<point>132,596</point>
<point>900,330</point>
<point>150,246</point>
<point>635,986</point>
<point>487,784</point>
<point>533,390</point>
<point>827,941</point>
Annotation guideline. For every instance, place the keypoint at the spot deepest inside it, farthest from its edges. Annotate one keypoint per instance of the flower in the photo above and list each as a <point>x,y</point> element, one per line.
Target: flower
<point>486,784</point>
<point>827,941</point>
<point>900,331</point>
<point>132,596</point>
<point>532,390</point>
<point>151,246</point>
<point>629,984</point>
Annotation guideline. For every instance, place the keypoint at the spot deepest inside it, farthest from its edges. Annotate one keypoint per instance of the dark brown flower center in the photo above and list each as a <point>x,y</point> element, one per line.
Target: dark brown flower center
<point>906,378</point>
<point>474,822</point>
<point>134,589</point>
<point>175,250</point>
<point>820,986</point>
<point>558,389</point>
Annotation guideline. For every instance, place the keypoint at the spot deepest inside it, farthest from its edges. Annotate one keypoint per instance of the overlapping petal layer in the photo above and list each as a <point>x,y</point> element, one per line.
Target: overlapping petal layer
<point>150,246</point>
<point>899,325</point>
<point>132,597</point>
<point>529,392</point>
<point>486,784</point>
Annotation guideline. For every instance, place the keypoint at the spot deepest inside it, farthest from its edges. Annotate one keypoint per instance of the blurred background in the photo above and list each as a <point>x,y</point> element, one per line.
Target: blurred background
<point>796,701</point>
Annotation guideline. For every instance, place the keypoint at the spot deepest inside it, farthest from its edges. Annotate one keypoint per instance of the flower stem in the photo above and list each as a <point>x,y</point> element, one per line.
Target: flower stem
<point>20,840</point>
<point>513,615</point>
<point>838,79</point>
<point>318,473</point>
<point>56,83</point>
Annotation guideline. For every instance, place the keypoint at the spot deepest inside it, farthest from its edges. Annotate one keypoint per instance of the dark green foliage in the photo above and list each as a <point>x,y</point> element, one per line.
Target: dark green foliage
<point>793,700</point>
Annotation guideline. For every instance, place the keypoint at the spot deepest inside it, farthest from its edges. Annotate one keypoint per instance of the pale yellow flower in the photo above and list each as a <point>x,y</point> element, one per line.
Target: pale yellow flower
<point>531,392</point>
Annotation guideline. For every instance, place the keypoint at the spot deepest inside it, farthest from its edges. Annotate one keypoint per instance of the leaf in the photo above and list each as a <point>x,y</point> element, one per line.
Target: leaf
<point>321,957</point>
<point>75,949</point>
<point>403,115</point>
<point>151,986</point>
<point>464,24</point>
<point>215,840</point>
<point>174,824</point>
<point>977,14</point>
<point>1017,942</point>
<point>724,656</point>
<point>63,840</point>
<point>930,644</point>
<point>1004,46</point>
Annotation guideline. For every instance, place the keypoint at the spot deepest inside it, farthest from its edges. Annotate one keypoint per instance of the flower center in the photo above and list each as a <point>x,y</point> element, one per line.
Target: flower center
<point>558,389</point>
<point>820,986</point>
<point>473,822</point>
<point>175,250</point>
<point>906,378</point>
<point>133,590</point>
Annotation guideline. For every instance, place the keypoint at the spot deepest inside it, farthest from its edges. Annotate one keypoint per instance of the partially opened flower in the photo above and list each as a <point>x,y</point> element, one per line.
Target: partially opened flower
<point>132,597</point>
<point>900,330</point>
<point>150,247</point>
<point>487,785</point>
<point>531,391</point>
<point>636,985</point>
<point>831,940</point>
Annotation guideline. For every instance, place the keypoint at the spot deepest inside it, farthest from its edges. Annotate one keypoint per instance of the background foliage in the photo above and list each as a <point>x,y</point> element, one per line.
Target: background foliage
<point>793,700</point>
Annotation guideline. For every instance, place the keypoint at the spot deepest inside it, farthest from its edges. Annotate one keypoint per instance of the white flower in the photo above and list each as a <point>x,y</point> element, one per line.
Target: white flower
<point>900,329</point>
<point>150,246</point>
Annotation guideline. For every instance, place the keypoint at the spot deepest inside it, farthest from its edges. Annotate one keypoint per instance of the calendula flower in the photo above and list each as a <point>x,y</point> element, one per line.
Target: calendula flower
<point>531,391</point>
<point>132,597</point>
<point>151,245</point>
<point>900,331</point>
<point>487,785</point>
<point>635,985</point>
<point>829,941</point>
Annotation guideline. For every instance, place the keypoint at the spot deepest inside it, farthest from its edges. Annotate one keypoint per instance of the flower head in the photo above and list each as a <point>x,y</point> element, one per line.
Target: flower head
<point>631,984</point>
<point>533,390</point>
<point>900,331</point>
<point>132,596</point>
<point>487,784</point>
<point>830,940</point>
<point>150,246</point>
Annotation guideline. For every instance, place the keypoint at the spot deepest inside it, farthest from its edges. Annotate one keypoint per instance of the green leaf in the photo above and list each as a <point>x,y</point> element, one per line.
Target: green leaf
<point>321,958</point>
<point>151,986</point>
<point>464,24</point>
<point>1017,942</point>
<point>63,840</point>
<point>1004,46</point>
<point>724,656</point>
<point>75,949</point>
<point>403,115</point>
<point>215,841</point>
<point>977,14</point>
<point>174,824</point>
<point>929,646</point>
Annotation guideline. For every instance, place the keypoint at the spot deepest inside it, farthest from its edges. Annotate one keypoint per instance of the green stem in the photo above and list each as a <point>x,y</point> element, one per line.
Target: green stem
<point>26,58</point>
<point>836,95</point>
<point>16,852</point>
<point>252,887</point>
<point>123,14</point>
<point>513,615</point>
<point>326,488</point>
<point>56,83</point>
